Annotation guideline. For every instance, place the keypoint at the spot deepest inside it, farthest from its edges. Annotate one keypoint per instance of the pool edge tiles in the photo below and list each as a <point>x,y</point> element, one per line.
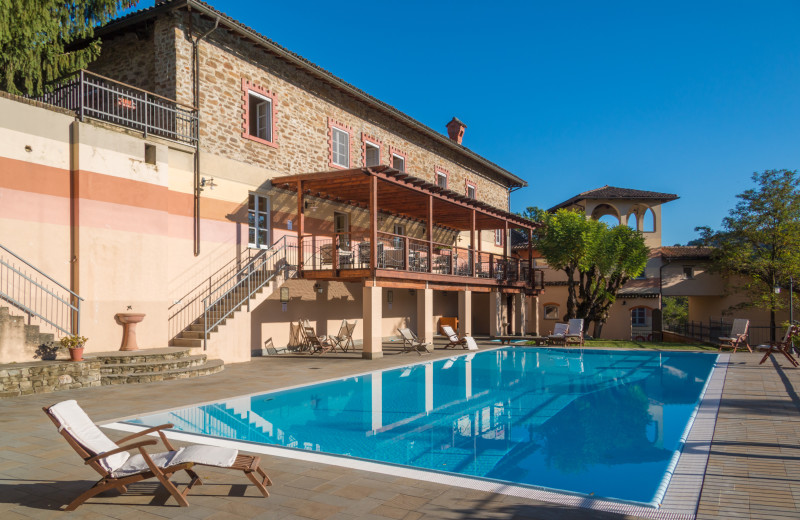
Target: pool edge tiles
<point>677,503</point>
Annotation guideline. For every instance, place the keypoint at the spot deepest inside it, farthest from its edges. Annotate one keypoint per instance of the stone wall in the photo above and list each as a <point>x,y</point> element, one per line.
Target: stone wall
<point>303,106</point>
<point>47,376</point>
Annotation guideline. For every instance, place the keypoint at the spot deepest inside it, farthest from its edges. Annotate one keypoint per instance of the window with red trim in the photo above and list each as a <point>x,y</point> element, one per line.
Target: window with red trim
<point>371,151</point>
<point>441,178</point>
<point>339,144</point>
<point>259,114</point>
<point>472,191</point>
<point>398,159</point>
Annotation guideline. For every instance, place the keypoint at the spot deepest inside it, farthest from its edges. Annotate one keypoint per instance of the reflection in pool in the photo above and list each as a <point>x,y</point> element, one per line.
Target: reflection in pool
<point>585,421</point>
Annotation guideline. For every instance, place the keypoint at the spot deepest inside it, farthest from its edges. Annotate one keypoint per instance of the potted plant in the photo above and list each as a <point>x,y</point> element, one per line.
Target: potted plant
<point>75,346</point>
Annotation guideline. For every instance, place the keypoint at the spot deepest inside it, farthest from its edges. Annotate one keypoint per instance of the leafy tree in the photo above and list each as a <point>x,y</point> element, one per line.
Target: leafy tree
<point>675,310</point>
<point>760,239</point>
<point>598,261</point>
<point>42,41</point>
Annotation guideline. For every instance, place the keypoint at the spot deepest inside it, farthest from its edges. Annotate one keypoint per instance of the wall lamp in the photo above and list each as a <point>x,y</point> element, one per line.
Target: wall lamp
<point>207,183</point>
<point>318,287</point>
<point>312,205</point>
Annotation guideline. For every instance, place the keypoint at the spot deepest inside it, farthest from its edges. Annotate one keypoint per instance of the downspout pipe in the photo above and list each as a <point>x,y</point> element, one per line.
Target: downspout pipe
<point>196,103</point>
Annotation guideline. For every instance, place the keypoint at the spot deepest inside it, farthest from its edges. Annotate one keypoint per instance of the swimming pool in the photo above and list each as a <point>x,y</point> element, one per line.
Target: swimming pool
<point>601,423</point>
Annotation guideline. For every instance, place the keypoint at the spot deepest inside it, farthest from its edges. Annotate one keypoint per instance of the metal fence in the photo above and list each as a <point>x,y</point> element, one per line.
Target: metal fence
<point>98,97</point>
<point>715,328</point>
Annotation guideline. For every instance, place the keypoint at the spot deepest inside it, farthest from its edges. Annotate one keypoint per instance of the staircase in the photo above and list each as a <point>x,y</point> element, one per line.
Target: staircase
<point>239,291</point>
<point>20,340</point>
<point>48,307</point>
<point>147,366</point>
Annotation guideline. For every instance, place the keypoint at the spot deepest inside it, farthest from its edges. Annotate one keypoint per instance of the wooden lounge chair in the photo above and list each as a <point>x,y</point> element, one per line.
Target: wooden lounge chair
<point>412,343</point>
<point>784,347</point>
<point>344,339</point>
<point>316,343</point>
<point>559,335</point>
<point>455,341</point>
<point>575,332</point>
<point>737,337</point>
<point>118,468</point>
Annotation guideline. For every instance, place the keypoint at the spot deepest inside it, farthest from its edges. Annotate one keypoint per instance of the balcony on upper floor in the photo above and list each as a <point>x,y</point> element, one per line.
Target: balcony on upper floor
<point>97,97</point>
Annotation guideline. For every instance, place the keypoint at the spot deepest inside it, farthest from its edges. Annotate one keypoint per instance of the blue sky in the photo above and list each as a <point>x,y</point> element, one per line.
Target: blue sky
<point>681,97</point>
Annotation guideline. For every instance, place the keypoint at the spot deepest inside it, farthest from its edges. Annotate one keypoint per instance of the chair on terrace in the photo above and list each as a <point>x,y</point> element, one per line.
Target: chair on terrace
<point>455,341</point>
<point>784,346</point>
<point>575,332</point>
<point>412,343</point>
<point>118,468</point>
<point>559,335</point>
<point>737,337</point>
<point>344,339</point>
<point>313,342</point>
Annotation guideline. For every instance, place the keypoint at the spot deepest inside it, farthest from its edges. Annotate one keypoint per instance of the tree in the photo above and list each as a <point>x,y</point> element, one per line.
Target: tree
<point>42,41</point>
<point>760,239</point>
<point>598,261</point>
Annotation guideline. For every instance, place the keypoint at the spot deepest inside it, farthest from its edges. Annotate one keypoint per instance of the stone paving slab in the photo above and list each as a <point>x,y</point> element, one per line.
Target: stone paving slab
<point>753,469</point>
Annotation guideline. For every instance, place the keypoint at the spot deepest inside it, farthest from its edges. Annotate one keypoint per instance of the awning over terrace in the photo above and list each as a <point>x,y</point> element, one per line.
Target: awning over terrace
<point>384,190</point>
<point>400,193</point>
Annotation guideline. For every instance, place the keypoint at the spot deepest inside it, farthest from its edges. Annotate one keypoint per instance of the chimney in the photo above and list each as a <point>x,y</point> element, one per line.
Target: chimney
<point>455,129</point>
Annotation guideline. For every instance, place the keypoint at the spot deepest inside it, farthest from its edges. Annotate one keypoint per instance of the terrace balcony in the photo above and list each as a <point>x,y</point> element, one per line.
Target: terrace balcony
<point>402,261</point>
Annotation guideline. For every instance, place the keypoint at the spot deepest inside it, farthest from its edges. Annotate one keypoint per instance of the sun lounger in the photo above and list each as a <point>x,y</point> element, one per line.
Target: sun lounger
<point>737,337</point>
<point>559,335</point>
<point>574,332</point>
<point>455,341</point>
<point>412,343</point>
<point>784,347</point>
<point>118,468</point>
<point>344,339</point>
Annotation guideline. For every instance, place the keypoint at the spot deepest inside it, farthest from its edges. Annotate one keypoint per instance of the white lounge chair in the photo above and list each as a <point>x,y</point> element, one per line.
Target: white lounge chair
<point>412,343</point>
<point>575,331</point>
<point>559,335</point>
<point>455,341</point>
<point>118,468</point>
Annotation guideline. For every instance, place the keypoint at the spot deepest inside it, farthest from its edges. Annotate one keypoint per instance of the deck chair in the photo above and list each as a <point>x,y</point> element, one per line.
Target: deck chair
<point>344,339</point>
<point>738,335</point>
<point>412,343</point>
<point>316,343</point>
<point>559,335</point>
<point>118,468</point>
<point>455,341</point>
<point>575,332</point>
<point>784,347</point>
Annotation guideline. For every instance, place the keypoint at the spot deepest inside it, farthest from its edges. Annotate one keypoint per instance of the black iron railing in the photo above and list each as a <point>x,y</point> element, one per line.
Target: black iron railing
<point>98,97</point>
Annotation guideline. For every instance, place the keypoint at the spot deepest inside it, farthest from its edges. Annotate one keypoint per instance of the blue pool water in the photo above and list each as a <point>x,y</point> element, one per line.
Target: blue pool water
<point>606,423</point>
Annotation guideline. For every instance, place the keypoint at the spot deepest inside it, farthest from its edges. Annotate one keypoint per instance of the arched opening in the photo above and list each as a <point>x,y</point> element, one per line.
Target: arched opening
<point>633,221</point>
<point>649,221</point>
<point>607,214</point>
<point>609,220</point>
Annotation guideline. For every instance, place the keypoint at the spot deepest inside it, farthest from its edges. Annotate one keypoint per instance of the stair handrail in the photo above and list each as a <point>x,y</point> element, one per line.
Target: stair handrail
<point>250,269</point>
<point>209,284</point>
<point>74,310</point>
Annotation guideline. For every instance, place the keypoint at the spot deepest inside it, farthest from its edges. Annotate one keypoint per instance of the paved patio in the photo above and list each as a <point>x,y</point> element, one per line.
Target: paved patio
<point>753,470</point>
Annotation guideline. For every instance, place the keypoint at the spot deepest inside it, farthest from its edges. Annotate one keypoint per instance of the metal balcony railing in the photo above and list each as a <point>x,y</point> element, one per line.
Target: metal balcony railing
<point>98,97</point>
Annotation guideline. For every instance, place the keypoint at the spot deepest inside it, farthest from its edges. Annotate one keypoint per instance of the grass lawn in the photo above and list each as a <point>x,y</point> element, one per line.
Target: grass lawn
<point>644,345</point>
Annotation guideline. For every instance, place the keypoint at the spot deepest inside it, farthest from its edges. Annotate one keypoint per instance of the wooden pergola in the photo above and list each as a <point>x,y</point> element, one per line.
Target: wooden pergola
<point>384,190</point>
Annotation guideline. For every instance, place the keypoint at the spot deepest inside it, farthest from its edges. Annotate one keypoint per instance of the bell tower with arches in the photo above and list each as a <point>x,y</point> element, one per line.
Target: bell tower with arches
<point>638,209</point>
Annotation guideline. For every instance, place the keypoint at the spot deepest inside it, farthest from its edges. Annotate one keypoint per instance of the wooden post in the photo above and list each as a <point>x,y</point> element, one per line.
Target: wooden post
<point>505,240</point>
<point>373,223</point>
<point>430,233</point>
<point>474,260</point>
<point>406,253</point>
<point>300,225</point>
<point>530,257</point>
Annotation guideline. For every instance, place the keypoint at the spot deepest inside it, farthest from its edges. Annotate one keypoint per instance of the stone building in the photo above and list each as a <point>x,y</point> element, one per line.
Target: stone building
<point>197,161</point>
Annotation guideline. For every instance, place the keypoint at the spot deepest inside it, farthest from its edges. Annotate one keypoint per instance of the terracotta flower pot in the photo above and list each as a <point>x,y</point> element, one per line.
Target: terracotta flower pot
<point>76,354</point>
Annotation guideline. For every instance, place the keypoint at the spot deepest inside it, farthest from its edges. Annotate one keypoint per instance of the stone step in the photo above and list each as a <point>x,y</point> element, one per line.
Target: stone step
<point>152,366</point>
<point>210,367</point>
<point>186,342</point>
<point>193,334</point>
<point>150,355</point>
